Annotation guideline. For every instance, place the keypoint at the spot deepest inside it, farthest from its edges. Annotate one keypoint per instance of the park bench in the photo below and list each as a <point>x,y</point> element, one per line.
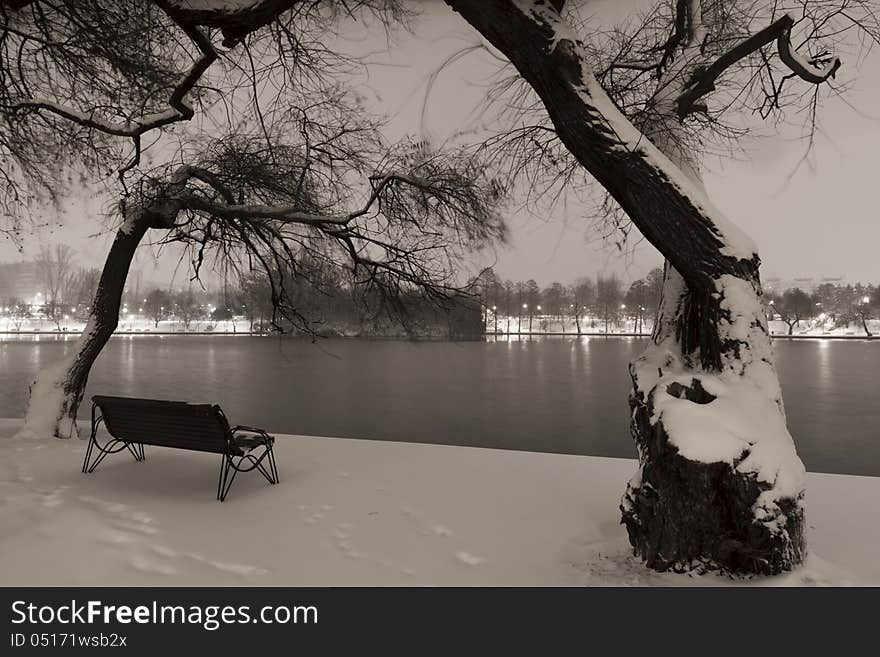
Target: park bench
<point>133,423</point>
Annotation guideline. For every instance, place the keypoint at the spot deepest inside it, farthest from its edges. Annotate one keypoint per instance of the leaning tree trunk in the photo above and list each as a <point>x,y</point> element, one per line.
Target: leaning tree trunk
<point>719,484</point>
<point>706,408</point>
<point>56,394</point>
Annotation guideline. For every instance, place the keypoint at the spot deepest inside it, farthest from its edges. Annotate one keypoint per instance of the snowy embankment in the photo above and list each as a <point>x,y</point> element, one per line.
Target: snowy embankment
<point>359,512</point>
<point>130,324</point>
<point>594,326</point>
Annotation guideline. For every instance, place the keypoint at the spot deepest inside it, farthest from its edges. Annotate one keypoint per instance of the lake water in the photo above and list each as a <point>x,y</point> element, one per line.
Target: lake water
<point>548,394</point>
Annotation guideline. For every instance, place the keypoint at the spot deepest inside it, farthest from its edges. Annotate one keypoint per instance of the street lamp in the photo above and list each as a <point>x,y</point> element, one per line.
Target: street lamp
<point>519,325</point>
<point>495,313</point>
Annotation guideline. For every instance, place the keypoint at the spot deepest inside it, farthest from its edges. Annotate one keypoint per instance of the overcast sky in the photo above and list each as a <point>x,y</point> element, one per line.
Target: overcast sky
<point>820,221</point>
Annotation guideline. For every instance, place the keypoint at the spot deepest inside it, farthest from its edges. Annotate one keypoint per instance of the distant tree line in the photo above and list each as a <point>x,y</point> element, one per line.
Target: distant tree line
<point>65,289</point>
<point>837,305</point>
<point>325,301</point>
<point>605,299</point>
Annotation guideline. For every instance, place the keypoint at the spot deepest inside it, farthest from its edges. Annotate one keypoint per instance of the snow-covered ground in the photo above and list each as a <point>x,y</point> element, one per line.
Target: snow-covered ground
<point>546,324</point>
<point>542,324</point>
<point>360,512</point>
<point>128,324</point>
<point>815,328</point>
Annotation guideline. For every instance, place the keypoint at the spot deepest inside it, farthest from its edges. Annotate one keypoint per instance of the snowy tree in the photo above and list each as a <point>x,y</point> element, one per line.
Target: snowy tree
<point>157,306</point>
<point>609,295</point>
<point>56,272</point>
<point>284,165</point>
<point>82,289</point>
<point>582,295</point>
<point>793,307</point>
<point>719,483</point>
<point>863,305</point>
<point>554,301</point>
<point>19,312</point>
<point>186,308</point>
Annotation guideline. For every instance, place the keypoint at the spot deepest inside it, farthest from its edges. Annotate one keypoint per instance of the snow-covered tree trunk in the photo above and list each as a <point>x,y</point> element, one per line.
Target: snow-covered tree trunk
<point>56,394</point>
<point>719,483</point>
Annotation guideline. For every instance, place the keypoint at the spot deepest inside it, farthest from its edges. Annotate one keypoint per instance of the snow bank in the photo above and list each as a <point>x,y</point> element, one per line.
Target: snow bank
<point>358,512</point>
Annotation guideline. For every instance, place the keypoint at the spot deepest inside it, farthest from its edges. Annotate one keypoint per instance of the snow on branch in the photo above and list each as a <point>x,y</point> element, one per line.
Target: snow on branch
<point>179,109</point>
<point>704,79</point>
<point>657,196</point>
<point>420,212</point>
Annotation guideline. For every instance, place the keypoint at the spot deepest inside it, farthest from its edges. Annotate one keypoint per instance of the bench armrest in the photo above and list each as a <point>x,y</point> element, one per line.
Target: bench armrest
<point>242,427</point>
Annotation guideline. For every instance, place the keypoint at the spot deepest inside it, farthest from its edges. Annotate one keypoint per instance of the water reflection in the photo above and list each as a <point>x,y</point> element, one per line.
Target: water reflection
<point>823,371</point>
<point>546,394</point>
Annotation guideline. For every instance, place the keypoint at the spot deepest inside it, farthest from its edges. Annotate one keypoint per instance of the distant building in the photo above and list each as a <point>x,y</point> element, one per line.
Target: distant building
<point>20,280</point>
<point>806,283</point>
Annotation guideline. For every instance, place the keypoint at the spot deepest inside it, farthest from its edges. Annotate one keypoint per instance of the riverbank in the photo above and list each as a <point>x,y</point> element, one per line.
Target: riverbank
<point>541,327</point>
<point>622,334</point>
<point>779,336</point>
<point>360,512</point>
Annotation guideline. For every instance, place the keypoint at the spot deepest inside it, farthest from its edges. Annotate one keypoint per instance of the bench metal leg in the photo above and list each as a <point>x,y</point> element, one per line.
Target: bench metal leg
<point>112,446</point>
<point>246,463</point>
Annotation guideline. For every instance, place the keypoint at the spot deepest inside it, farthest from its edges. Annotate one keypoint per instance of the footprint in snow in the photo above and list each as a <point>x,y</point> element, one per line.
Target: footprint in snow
<point>224,566</point>
<point>469,559</point>
<point>150,566</point>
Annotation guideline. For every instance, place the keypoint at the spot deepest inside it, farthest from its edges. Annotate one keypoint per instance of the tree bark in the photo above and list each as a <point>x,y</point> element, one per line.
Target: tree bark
<point>59,389</point>
<point>720,499</point>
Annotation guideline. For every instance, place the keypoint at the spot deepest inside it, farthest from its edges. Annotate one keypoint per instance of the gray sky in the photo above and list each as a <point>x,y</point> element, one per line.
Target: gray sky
<point>818,221</point>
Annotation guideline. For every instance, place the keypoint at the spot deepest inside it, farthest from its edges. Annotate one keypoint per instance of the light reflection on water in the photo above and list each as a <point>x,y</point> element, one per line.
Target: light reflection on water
<point>559,394</point>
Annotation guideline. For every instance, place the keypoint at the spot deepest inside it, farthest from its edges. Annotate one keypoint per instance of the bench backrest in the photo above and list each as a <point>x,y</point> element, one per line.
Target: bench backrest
<point>200,427</point>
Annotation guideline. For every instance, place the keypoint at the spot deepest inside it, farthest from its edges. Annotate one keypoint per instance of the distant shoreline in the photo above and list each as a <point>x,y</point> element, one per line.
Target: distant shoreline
<point>775,336</point>
<point>500,334</point>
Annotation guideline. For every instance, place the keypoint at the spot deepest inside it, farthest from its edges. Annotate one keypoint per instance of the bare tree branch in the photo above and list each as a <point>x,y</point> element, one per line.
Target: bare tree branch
<point>704,79</point>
